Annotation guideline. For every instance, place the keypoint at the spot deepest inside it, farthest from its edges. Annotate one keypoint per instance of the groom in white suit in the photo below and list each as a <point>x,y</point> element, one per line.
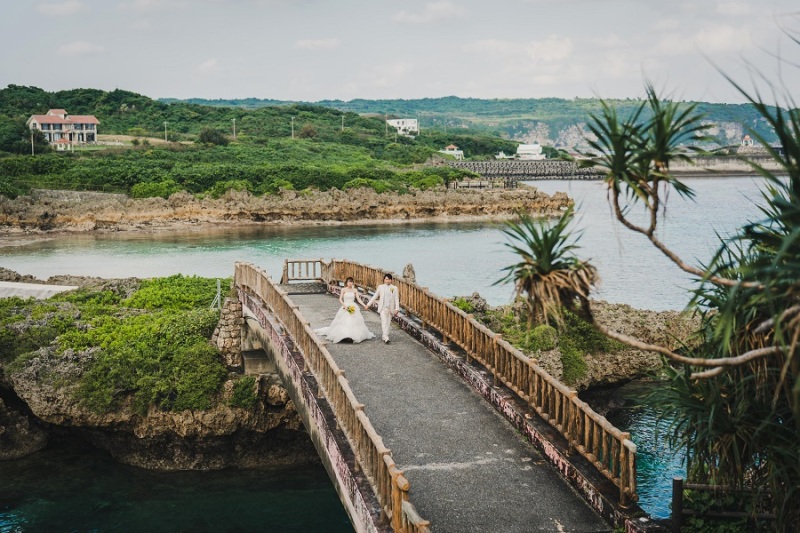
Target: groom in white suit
<point>388,304</point>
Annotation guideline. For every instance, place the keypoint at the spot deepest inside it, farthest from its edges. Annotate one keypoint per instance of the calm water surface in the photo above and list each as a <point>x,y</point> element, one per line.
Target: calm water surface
<point>451,259</point>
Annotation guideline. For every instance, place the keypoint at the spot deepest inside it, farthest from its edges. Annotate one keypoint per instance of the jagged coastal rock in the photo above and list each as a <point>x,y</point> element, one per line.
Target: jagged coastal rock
<point>49,211</point>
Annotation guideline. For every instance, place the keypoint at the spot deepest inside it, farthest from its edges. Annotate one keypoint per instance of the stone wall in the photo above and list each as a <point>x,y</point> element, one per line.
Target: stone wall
<point>228,333</point>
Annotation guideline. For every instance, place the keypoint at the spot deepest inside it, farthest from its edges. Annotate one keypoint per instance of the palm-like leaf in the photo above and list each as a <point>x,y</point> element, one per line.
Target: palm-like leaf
<point>548,275</point>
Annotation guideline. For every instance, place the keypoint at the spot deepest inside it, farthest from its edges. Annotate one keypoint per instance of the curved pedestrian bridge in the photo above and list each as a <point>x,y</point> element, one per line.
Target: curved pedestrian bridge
<point>438,430</point>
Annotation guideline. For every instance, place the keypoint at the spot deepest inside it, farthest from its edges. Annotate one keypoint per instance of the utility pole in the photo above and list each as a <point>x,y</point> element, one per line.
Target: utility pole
<point>292,127</point>
<point>385,125</point>
<point>33,151</point>
<point>234,128</point>
<point>342,122</point>
<point>165,130</point>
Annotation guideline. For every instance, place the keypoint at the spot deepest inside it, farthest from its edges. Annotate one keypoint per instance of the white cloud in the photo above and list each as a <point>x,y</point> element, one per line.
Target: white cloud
<point>79,48</point>
<point>733,8</point>
<point>140,25</point>
<point>722,39</point>
<point>551,49</point>
<point>69,7</point>
<point>390,75</point>
<point>711,39</point>
<point>433,12</point>
<point>207,66</point>
<point>317,44</point>
<point>142,6</point>
<point>492,46</point>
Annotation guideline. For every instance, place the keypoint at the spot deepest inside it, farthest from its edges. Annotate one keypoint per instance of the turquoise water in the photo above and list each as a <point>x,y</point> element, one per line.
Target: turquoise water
<point>450,259</point>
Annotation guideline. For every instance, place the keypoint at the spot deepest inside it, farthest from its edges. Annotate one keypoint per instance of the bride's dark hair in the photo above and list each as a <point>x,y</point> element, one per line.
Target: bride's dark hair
<point>349,279</point>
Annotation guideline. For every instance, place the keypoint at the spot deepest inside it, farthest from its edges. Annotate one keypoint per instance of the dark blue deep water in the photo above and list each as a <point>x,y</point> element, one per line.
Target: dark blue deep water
<point>70,486</point>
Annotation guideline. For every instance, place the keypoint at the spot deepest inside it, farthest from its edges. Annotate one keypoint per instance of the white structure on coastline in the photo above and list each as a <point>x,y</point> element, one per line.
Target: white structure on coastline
<point>530,152</point>
<point>62,130</point>
<point>453,150</point>
<point>405,126</point>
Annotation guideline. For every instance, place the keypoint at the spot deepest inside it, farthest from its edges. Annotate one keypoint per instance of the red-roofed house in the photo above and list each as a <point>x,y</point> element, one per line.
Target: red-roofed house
<point>62,130</point>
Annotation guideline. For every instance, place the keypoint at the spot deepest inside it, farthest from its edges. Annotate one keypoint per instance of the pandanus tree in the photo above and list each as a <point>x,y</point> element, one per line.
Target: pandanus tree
<point>735,396</point>
<point>549,276</point>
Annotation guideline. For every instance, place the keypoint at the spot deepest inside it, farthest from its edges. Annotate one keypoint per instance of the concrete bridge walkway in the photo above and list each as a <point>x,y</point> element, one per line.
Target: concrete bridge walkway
<point>469,469</point>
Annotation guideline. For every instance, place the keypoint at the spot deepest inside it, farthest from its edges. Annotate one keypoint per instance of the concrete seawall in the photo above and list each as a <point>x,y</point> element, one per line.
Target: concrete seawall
<point>517,170</point>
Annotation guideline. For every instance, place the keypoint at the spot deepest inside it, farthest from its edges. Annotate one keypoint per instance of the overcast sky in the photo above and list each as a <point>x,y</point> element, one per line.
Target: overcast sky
<point>345,49</point>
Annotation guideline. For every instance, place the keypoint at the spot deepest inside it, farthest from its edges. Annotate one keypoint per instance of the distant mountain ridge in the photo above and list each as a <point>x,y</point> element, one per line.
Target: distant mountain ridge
<point>550,121</point>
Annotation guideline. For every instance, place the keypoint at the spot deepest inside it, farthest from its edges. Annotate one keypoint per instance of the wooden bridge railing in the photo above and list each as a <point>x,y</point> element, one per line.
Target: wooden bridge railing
<point>388,481</point>
<point>610,450</point>
<point>303,270</point>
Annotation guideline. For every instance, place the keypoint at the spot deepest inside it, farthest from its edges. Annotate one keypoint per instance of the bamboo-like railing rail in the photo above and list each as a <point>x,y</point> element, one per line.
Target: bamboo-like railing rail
<point>303,270</point>
<point>610,450</point>
<point>375,460</point>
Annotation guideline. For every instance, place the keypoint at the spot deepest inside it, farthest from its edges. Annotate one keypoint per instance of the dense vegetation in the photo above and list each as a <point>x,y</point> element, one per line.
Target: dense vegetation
<point>295,146</point>
<point>511,117</point>
<point>733,397</point>
<point>147,349</point>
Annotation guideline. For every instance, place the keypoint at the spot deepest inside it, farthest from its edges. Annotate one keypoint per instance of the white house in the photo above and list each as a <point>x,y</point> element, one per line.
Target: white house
<point>530,152</point>
<point>453,150</point>
<point>63,130</point>
<point>405,126</point>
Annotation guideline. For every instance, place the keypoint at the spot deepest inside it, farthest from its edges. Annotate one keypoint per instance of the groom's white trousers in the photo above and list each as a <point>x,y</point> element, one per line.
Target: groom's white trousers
<point>386,320</point>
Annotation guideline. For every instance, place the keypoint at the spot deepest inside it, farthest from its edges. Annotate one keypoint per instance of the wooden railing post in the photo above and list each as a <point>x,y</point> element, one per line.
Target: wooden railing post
<point>677,505</point>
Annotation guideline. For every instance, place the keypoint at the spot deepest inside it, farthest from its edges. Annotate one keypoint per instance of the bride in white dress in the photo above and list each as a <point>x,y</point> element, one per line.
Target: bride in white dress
<point>348,322</point>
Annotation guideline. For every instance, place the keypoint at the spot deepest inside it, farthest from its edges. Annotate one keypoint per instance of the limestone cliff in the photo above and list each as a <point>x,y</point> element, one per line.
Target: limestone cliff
<point>222,436</point>
<point>46,211</point>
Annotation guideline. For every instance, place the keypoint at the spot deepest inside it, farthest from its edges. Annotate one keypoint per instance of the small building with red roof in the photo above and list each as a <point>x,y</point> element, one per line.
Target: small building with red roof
<point>63,130</point>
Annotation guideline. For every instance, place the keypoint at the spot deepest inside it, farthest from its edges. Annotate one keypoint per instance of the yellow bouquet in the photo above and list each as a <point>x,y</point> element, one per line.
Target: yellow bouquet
<point>351,309</point>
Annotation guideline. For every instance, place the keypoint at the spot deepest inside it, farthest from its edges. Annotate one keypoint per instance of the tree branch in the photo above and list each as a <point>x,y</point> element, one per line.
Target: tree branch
<point>693,361</point>
<point>650,234</point>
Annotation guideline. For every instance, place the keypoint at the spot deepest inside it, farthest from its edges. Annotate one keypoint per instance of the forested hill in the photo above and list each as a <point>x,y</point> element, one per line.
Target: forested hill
<point>128,113</point>
<point>551,121</point>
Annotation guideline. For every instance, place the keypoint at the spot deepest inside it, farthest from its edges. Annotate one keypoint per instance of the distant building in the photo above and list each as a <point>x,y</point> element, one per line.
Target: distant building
<point>530,152</point>
<point>63,131</point>
<point>747,141</point>
<point>405,126</point>
<point>502,155</point>
<point>453,151</point>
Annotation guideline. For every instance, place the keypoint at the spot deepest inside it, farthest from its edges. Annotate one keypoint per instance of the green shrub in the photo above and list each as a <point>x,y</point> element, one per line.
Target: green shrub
<point>573,364</point>
<point>221,187</point>
<point>161,189</point>
<point>244,393</point>
<point>161,358</point>
<point>463,304</point>
<point>174,293</point>
<point>543,337</point>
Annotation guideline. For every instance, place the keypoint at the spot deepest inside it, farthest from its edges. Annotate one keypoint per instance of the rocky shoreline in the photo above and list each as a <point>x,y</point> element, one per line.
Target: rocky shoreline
<point>48,212</point>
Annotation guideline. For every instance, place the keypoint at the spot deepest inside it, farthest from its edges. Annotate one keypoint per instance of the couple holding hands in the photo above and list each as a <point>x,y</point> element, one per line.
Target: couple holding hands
<point>349,323</point>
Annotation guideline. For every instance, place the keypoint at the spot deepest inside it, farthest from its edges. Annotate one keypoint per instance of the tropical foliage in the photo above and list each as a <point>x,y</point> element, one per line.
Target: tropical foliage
<point>148,349</point>
<point>735,398</point>
<point>548,276</point>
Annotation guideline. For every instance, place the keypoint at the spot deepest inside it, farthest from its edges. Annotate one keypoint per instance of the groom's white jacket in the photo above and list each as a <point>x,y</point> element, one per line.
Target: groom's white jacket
<point>387,296</point>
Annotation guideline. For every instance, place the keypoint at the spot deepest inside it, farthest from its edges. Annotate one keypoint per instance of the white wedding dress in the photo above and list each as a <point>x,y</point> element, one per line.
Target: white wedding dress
<point>347,325</point>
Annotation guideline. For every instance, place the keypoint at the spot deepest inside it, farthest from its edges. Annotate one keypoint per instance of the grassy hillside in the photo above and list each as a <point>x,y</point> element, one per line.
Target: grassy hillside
<point>330,148</point>
<point>510,118</point>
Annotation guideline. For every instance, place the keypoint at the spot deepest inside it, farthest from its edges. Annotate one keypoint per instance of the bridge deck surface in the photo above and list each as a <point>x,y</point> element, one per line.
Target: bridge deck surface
<point>469,469</point>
